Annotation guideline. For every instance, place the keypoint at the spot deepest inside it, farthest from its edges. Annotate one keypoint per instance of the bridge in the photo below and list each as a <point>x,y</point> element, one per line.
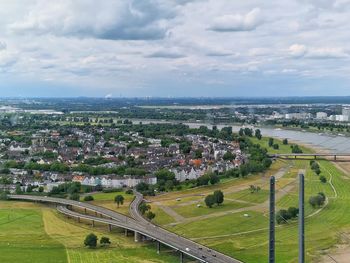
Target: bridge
<point>310,155</point>
<point>142,228</point>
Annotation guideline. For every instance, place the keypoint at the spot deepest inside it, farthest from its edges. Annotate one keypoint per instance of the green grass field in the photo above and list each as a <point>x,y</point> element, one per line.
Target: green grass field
<point>107,200</point>
<point>246,236</point>
<point>32,233</point>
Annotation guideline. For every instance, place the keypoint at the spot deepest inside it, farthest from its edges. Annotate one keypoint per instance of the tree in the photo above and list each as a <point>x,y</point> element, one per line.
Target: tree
<point>219,197</point>
<point>285,142</point>
<point>293,212</point>
<point>29,188</point>
<point>258,134</point>
<point>214,179</point>
<point>317,200</point>
<point>314,166</point>
<point>209,201</point>
<point>88,198</point>
<point>282,216</point>
<point>323,179</point>
<point>4,196</point>
<point>119,199</point>
<point>41,189</point>
<point>150,215</point>
<point>229,156</point>
<point>74,196</point>
<point>90,241</point>
<point>276,146</point>
<point>105,241</point>
<point>270,142</point>
<point>18,189</point>
<point>198,154</point>
<point>144,208</point>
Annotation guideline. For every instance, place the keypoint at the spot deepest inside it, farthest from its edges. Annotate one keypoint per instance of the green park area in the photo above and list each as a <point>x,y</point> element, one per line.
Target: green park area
<point>239,227</point>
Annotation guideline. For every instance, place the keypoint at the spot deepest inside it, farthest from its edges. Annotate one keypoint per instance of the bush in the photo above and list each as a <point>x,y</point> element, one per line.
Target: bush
<point>129,192</point>
<point>317,200</point>
<point>74,196</point>
<point>282,216</point>
<point>88,198</point>
<point>210,201</point>
<point>90,241</point>
<point>323,179</point>
<point>104,241</point>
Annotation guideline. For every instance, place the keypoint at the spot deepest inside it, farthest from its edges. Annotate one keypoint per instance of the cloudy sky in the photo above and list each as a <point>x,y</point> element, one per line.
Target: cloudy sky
<point>174,48</point>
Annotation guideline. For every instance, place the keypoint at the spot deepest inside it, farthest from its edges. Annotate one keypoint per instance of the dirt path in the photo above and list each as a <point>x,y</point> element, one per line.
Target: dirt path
<point>171,212</point>
<point>263,207</point>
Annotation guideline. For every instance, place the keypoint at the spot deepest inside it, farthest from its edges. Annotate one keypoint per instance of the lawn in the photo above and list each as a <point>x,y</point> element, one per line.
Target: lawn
<point>248,196</point>
<point>23,238</point>
<point>107,200</point>
<point>246,237</point>
<point>191,210</point>
<point>35,233</point>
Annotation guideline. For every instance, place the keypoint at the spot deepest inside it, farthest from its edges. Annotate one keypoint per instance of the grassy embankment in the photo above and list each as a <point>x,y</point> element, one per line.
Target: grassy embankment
<point>35,233</point>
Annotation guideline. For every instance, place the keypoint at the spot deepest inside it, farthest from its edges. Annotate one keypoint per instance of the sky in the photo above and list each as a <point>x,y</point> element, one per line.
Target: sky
<point>169,48</point>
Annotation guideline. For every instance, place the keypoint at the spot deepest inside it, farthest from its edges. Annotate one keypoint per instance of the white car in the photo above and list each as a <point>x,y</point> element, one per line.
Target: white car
<point>187,249</point>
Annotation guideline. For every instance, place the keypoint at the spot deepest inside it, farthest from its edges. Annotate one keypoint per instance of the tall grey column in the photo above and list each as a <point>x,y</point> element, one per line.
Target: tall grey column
<point>301,219</point>
<point>272,221</point>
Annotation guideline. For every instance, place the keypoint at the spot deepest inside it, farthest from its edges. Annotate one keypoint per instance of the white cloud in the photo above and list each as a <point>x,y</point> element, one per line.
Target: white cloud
<point>91,44</point>
<point>122,19</point>
<point>297,50</point>
<point>2,45</point>
<point>238,22</point>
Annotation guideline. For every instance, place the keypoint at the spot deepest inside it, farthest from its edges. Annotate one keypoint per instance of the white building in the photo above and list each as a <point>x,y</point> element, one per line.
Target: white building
<point>321,115</point>
<point>298,116</point>
<point>111,182</point>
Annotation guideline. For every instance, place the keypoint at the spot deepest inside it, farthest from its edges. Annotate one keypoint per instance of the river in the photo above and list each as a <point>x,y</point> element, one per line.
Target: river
<point>330,143</point>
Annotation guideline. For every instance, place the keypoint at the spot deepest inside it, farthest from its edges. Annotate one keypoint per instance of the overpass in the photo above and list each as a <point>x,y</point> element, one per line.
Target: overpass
<point>311,155</point>
<point>137,224</point>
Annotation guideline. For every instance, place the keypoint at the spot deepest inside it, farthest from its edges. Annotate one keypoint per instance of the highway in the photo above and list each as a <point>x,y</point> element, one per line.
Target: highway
<point>137,224</point>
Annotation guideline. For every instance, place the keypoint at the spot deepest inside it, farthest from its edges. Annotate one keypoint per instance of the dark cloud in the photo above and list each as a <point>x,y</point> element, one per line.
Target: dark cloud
<point>115,20</point>
<point>166,54</point>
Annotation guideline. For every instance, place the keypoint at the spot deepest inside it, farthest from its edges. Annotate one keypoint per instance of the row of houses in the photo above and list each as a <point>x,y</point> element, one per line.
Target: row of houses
<point>113,181</point>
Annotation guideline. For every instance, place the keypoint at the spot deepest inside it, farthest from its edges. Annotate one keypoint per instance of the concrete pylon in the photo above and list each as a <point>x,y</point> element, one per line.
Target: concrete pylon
<point>301,219</point>
<point>158,247</point>
<point>272,221</point>
<point>138,237</point>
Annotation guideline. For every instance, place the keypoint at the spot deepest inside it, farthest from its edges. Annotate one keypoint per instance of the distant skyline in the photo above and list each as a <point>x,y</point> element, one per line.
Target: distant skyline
<point>169,48</point>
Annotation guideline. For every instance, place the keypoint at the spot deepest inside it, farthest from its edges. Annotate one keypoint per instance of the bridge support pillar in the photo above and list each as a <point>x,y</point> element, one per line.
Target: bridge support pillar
<point>315,157</point>
<point>301,219</point>
<point>272,221</point>
<point>126,232</point>
<point>78,219</point>
<point>335,157</point>
<point>93,223</point>
<point>158,247</point>
<point>85,211</point>
<point>181,257</point>
<point>137,237</point>
<point>109,227</point>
